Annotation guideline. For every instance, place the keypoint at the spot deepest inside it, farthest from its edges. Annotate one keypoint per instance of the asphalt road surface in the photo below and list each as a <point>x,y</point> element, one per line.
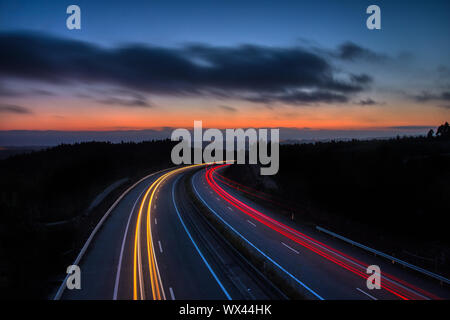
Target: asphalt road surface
<point>157,244</point>
<point>325,267</point>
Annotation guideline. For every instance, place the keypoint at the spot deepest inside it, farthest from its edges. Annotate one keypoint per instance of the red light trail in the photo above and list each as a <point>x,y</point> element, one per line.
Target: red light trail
<point>398,287</point>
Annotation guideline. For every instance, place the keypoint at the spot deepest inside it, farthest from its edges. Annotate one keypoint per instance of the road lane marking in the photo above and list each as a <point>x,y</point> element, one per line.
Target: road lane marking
<point>172,295</point>
<point>312,241</point>
<point>370,296</point>
<point>97,227</point>
<point>255,247</point>
<point>160,247</point>
<point>155,276</point>
<point>156,221</point>
<point>284,244</point>
<point>251,223</point>
<point>137,261</point>
<point>230,208</point>
<point>122,249</point>
<point>195,245</point>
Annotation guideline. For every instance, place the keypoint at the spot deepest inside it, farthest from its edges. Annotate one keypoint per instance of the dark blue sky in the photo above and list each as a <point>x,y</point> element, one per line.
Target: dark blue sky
<point>406,25</point>
<point>309,64</point>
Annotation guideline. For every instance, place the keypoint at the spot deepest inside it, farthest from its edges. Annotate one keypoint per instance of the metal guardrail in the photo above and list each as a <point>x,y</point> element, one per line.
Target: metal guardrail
<point>387,256</point>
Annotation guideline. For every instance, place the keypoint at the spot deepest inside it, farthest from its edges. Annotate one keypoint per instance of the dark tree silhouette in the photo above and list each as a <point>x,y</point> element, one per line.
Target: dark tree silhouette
<point>443,131</point>
<point>403,182</point>
<point>43,199</point>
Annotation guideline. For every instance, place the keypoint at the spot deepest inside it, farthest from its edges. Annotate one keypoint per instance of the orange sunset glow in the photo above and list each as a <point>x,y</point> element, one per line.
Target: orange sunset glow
<point>80,116</point>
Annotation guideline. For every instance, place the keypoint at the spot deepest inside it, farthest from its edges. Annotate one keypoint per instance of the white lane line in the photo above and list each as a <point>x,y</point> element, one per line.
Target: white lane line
<point>160,247</point>
<point>156,221</point>
<point>195,245</point>
<point>370,296</point>
<point>154,206</point>
<point>251,223</point>
<point>172,295</point>
<point>252,245</point>
<point>119,265</point>
<point>284,244</point>
<point>230,208</point>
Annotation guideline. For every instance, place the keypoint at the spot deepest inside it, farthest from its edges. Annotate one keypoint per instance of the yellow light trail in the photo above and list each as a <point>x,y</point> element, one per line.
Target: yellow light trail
<point>137,251</point>
<point>155,277</point>
<point>137,265</point>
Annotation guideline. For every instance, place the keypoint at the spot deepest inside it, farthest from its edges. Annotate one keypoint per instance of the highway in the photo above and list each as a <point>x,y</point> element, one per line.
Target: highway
<point>157,244</point>
<point>326,268</point>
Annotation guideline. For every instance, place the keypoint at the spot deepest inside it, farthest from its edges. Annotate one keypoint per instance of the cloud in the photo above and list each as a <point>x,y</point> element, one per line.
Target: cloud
<point>423,97</point>
<point>426,96</point>
<point>228,108</point>
<point>9,108</point>
<point>124,102</point>
<point>368,102</point>
<point>351,51</point>
<point>42,92</point>
<point>301,97</point>
<point>127,100</point>
<point>361,78</point>
<point>246,72</point>
<point>443,72</point>
<point>7,92</point>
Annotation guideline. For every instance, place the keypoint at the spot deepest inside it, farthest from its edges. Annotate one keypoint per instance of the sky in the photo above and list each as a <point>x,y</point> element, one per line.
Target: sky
<point>305,66</point>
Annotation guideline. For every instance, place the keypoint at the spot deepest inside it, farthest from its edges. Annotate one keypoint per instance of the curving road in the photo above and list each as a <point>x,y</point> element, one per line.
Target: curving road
<point>324,267</point>
<point>157,244</point>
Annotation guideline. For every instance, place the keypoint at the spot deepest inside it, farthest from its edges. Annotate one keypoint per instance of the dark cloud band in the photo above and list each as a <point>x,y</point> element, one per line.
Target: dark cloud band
<point>8,108</point>
<point>255,73</point>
